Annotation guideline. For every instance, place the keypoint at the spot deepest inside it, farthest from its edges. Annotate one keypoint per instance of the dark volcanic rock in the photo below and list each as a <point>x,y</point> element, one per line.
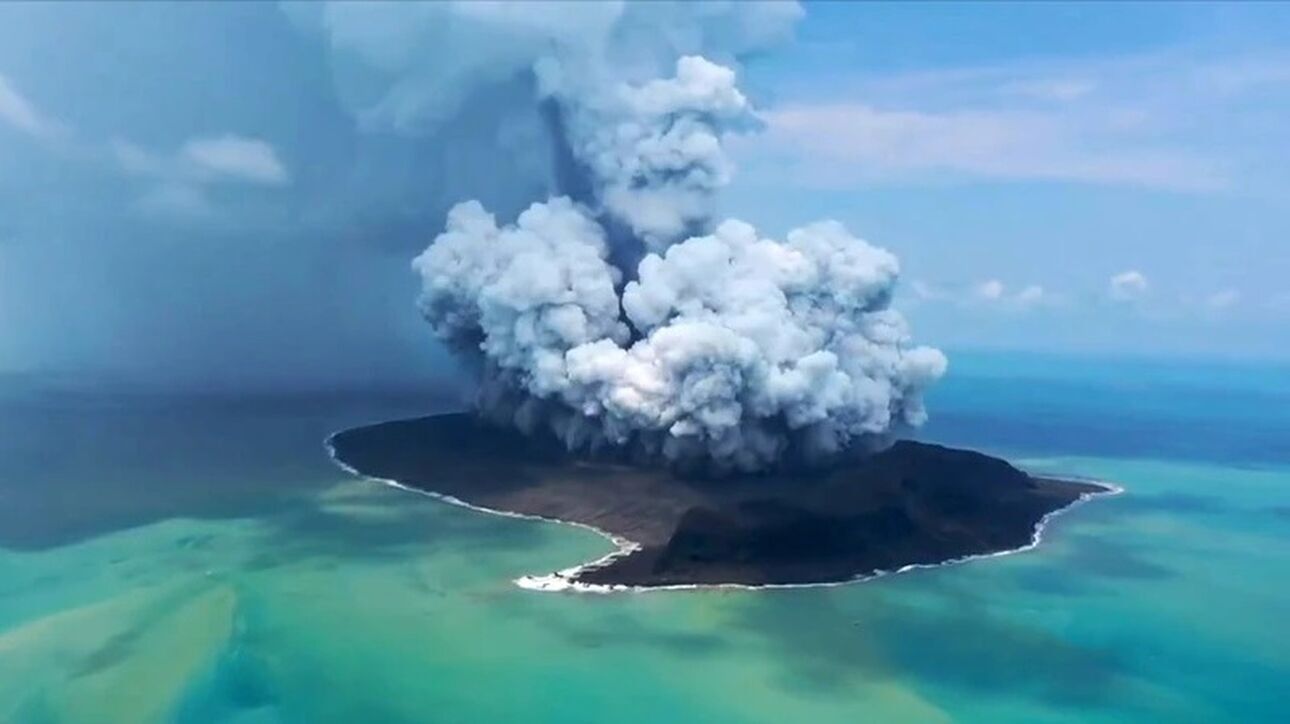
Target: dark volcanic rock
<point>913,503</point>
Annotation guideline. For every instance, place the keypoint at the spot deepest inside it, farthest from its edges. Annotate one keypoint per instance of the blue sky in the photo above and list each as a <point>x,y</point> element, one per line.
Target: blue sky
<point>1021,157</point>
<point>196,190</point>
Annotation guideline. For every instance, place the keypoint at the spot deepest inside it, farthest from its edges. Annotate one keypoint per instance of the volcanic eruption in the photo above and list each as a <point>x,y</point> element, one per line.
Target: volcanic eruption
<point>620,314</point>
<point>723,404</point>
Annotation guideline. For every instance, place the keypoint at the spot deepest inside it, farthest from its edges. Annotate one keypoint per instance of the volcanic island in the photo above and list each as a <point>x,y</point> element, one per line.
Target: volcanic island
<point>911,504</point>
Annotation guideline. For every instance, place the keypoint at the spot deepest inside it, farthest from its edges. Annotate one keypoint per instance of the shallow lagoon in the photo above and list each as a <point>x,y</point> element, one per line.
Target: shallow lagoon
<point>199,559</point>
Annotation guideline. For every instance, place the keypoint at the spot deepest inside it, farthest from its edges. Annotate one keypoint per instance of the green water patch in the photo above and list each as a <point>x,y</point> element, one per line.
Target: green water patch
<point>359,602</point>
<point>127,659</point>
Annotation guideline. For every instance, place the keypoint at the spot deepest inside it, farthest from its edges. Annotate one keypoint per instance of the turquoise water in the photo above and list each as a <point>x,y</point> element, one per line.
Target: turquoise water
<point>199,559</point>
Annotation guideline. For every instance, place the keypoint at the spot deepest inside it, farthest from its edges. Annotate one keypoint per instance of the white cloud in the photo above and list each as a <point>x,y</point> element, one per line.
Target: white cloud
<point>1063,90</point>
<point>1222,299</point>
<point>236,157</point>
<point>926,291</point>
<point>138,161</point>
<point>1031,295</point>
<point>1244,75</point>
<point>182,178</point>
<point>19,113</point>
<point>995,293</point>
<point>988,293</point>
<point>1145,121</point>
<point>844,143</point>
<point>1128,285</point>
<point>991,290</point>
<point>206,160</point>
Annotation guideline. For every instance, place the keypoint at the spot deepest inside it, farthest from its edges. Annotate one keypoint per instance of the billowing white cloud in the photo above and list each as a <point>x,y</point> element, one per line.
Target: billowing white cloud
<point>19,113</point>
<point>536,289</point>
<point>237,158</point>
<point>728,349</point>
<point>653,149</point>
<point>618,311</point>
<point>1128,285</point>
<point>634,98</point>
<point>420,62</point>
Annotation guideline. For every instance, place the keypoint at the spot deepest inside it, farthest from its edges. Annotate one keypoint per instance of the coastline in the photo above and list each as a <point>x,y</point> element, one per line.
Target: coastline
<point>565,579</point>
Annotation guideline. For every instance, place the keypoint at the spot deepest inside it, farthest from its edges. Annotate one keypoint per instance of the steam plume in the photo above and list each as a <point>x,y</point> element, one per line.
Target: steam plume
<point>619,313</point>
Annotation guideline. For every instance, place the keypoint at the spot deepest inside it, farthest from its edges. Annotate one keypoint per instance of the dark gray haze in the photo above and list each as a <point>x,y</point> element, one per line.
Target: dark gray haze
<point>126,255</point>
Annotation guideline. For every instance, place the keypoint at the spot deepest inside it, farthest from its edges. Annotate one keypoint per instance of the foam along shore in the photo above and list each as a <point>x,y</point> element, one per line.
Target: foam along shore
<point>912,505</point>
<point>567,579</point>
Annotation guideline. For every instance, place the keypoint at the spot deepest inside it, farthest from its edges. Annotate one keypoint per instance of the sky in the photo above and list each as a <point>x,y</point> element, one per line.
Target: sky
<point>230,195</point>
<point>1095,177</point>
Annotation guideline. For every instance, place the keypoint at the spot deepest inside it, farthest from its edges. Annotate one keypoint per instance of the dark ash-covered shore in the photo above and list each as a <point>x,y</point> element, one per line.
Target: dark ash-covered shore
<point>909,505</point>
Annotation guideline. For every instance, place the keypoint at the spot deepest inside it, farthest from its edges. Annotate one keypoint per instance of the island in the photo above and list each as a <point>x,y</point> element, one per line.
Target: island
<point>911,504</point>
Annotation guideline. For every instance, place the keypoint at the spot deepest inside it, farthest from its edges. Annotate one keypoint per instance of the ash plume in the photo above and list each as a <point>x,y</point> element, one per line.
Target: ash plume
<point>619,313</point>
<point>652,153</point>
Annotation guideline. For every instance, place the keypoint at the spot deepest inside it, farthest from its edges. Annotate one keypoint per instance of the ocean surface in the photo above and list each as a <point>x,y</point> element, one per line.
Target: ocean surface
<point>199,559</point>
